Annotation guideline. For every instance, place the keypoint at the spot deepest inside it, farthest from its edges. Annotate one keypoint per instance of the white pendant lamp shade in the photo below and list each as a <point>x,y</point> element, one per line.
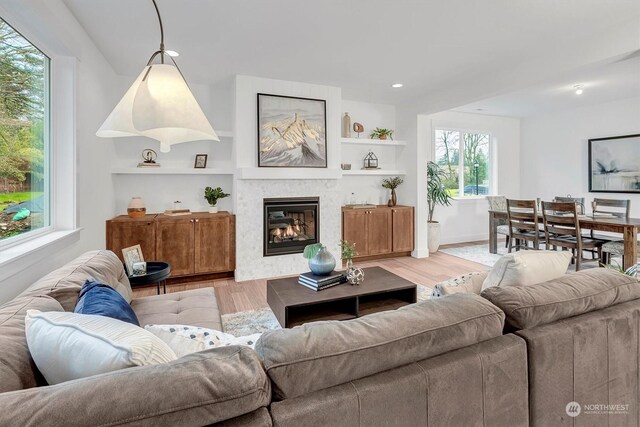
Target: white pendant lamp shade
<point>159,105</point>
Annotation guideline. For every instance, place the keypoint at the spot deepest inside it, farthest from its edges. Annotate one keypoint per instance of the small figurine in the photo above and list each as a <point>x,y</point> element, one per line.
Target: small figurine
<point>358,128</point>
<point>149,156</point>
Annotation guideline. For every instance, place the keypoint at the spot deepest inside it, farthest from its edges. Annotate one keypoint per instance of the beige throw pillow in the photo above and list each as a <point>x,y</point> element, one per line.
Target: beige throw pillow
<point>527,268</point>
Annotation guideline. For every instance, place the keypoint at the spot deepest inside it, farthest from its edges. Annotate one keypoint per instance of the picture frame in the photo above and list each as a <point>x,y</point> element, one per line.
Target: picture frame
<point>614,164</point>
<point>200,161</point>
<point>292,131</point>
<point>131,255</point>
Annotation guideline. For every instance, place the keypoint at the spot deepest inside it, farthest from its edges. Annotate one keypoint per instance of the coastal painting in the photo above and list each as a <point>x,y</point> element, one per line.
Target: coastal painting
<point>614,164</point>
<point>292,132</point>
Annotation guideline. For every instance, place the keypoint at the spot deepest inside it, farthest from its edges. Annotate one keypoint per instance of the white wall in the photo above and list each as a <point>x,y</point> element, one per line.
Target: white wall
<point>467,220</point>
<point>554,152</point>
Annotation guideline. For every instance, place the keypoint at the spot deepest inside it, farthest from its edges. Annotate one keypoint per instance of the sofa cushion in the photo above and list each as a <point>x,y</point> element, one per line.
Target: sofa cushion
<point>197,307</point>
<point>318,355</point>
<point>527,268</point>
<point>102,300</point>
<point>68,346</point>
<point>17,370</point>
<point>567,296</point>
<point>64,284</point>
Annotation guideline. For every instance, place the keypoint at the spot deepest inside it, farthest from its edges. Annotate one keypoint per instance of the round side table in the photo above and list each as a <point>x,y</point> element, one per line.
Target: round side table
<point>157,272</point>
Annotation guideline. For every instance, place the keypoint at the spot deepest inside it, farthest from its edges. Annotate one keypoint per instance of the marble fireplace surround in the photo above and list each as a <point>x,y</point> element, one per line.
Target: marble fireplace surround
<point>250,262</point>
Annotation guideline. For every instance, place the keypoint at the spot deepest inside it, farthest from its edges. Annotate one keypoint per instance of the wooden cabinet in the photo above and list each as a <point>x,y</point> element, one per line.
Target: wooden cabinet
<point>379,232</point>
<point>196,244</point>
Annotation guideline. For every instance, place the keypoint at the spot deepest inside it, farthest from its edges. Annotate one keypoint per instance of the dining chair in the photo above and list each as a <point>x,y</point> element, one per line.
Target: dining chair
<point>523,224</point>
<point>499,204</point>
<point>562,228</point>
<point>619,208</point>
<point>578,200</point>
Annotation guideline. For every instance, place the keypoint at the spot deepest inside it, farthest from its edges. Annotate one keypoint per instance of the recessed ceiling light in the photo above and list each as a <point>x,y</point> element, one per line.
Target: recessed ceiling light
<point>171,53</point>
<point>479,109</point>
<point>397,85</point>
<point>578,89</point>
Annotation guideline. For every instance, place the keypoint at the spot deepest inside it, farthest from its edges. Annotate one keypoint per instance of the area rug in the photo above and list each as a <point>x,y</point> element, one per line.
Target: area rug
<point>262,320</point>
<point>477,253</point>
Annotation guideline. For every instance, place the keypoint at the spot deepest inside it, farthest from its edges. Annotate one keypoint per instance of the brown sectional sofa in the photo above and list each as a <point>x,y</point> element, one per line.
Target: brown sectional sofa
<point>446,362</point>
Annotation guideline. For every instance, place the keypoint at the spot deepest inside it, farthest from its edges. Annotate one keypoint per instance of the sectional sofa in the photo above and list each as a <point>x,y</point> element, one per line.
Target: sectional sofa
<point>514,356</point>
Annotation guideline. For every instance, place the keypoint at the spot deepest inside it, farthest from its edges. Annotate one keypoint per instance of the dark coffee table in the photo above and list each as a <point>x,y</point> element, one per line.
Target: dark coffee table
<point>294,304</point>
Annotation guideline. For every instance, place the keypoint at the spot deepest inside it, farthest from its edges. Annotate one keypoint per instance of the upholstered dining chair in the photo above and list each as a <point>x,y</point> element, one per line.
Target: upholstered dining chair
<point>619,208</point>
<point>523,224</point>
<point>562,228</point>
<point>499,204</point>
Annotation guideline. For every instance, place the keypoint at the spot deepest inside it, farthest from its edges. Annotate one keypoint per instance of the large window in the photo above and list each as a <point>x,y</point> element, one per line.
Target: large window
<point>24,136</point>
<point>465,157</point>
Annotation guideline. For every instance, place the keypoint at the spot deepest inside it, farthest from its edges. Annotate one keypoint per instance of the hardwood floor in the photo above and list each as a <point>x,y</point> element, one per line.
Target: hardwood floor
<point>235,296</point>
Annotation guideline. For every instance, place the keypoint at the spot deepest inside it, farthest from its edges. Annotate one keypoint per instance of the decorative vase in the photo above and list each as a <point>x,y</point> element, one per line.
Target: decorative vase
<point>213,209</point>
<point>349,265</point>
<point>136,208</point>
<point>323,263</point>
<point>346,126</point>
<point>394,197</point>
<point>390,203</point>
<point>433,236</point>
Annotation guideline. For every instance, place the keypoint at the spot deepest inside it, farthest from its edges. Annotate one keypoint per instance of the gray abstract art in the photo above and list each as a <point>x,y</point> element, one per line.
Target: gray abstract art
<point>614,164</point>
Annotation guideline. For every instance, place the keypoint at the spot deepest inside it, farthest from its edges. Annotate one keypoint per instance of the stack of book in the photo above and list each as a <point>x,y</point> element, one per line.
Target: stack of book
<point>318,283</point>
<point>177,212</point>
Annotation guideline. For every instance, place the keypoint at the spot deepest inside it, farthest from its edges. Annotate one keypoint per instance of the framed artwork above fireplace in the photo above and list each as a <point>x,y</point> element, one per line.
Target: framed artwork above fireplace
<point>292,132</point>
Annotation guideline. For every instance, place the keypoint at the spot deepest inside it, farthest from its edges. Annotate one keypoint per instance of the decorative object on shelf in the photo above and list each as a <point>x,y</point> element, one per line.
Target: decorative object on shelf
<point>436,195</point>
<point>132,255</point>
<point>355,276</point>
<point>348,251</point>
<point>346,126</point>
<point>139,268</point>
<point>370,161</point>
<point>321,262</point>
<point>292,132</point>
<point>159,105</point>
<point>212,195</point>
<point>345,166</point>
<point>392,184</point>
<point>177,212</point>
<point>201,161</point>
<point>177,205</point>
<point>382,133</point>
<point>358,128</point>
<point>149,156</point>
<point>136,208</point>
<point>614,164</point>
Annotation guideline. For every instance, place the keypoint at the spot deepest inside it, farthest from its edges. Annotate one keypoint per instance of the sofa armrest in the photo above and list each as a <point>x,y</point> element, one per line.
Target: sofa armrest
<point>198,389</point>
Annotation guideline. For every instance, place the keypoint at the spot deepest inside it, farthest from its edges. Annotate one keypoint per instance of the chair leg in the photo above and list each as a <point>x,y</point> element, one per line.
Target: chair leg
<point>510,243</point>
<point>506,242</point>
<point>578,258</point>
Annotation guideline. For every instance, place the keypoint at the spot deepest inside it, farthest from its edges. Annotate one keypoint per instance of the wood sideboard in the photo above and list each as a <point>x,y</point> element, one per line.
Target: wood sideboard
<point>195,245</point>
<point>381,232</point>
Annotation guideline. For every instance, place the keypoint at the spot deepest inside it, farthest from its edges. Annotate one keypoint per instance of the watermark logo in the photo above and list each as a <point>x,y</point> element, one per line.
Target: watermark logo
<point>573,409</point>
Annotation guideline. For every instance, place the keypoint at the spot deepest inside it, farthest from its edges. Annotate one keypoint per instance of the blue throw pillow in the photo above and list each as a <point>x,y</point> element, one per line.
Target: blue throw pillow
<point>103,300</point>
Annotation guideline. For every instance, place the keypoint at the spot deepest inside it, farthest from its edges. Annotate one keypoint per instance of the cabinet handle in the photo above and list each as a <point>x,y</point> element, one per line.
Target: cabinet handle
<point>197,220</point>
<point>190,220</point>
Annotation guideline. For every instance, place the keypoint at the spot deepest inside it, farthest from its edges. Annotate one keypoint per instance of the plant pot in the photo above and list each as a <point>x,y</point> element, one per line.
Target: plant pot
<point>383,137</point>
<point>433,236</point>
<point>323,263</point>
<point>213,209</point>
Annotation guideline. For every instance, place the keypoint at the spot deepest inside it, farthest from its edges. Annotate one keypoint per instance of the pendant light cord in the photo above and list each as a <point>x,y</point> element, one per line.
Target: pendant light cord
<point>161,31</point>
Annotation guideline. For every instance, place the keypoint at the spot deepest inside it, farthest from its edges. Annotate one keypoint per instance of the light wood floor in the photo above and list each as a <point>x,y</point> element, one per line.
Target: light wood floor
<point>235,296</point>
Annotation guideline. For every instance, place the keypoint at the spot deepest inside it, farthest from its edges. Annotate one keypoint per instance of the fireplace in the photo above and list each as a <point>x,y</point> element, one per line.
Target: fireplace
<point>290,224</point>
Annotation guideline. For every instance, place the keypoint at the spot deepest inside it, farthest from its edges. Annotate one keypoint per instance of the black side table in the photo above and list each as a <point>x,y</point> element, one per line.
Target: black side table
<point>157,272</point>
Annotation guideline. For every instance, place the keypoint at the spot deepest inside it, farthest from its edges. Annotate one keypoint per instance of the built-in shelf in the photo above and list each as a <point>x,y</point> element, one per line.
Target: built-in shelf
<point>172,171</point>
<point>378,172</point>
<point>381,142</point>
<point>224,133</point>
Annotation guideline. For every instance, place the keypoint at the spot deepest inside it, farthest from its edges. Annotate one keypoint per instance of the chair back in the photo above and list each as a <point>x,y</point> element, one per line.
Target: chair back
<point>523,217</point>
<point>617,208</point>
<point>578,200</point>
<point>560,220</point>
<point>497,203</point>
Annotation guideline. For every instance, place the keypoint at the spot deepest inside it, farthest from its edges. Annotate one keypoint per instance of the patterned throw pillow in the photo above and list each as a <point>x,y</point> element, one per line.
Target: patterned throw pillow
<point>184,339</point>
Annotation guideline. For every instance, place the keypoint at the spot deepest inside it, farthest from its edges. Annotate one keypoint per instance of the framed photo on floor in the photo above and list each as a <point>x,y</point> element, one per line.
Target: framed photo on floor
<point>614,164</point>
<point>292,132</point>
<point>132,255</point>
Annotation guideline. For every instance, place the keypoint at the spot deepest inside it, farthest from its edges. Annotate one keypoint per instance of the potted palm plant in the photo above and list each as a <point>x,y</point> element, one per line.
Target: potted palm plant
<point>436,195</point>
<point>381,133</point>
<point>212,195</point>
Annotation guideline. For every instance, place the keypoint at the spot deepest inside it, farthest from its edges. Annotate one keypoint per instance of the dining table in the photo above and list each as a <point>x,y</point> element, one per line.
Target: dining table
<point>627,227</point>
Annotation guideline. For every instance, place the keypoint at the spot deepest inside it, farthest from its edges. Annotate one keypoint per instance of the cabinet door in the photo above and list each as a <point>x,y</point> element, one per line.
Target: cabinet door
<point>402,220</point>
<point>379,231</point>
<point>175,237</point>
<point>214,248</point>
<point>354,230</point>
<point>125,232</point>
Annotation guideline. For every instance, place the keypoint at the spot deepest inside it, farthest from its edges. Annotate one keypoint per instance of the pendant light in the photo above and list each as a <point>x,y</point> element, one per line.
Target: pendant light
<point>159,105</point>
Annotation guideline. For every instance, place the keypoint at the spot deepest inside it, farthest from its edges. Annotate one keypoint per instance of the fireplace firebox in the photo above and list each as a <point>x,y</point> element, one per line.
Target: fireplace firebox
<point>290,224</point>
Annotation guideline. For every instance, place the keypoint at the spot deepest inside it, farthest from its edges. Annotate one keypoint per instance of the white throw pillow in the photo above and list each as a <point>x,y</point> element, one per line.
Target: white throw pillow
<point>67,346</point>
<point>528,268</point>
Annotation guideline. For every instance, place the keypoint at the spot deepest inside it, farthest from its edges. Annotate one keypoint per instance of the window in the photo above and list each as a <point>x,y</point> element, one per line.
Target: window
<point>24,136</point>
<point>465,158</point>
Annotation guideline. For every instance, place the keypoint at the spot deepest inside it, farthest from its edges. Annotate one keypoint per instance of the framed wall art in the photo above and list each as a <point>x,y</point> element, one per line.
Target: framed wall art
<point>614,164</point>
<point>292,132</point>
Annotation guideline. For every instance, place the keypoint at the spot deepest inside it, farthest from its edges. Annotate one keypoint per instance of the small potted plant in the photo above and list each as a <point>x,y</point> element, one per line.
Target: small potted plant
<point>436,195</point>
<point>321,262</point>
<point>381,133</point>
<point>212,195</point>
<point>392,184</point>
<point>348,252</point>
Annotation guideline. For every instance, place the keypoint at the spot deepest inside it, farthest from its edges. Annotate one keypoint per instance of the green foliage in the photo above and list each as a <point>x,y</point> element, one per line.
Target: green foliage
<point>392,183</point>
<point>381,133</point>
<point>213,194</point>
<point>436,192</point>
<point>312,250</point>
<point>631,271</point>
<point>347,249</point>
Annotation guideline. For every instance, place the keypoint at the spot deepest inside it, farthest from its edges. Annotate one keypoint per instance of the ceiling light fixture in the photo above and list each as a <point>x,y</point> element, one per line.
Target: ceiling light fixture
<point>159,105</point>
<point>172,53</point>
<point>397,85</point>
<point>578,89</point>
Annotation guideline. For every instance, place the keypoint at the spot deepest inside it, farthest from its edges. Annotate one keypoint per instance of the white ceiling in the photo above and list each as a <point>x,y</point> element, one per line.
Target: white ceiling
<point>444,51</point>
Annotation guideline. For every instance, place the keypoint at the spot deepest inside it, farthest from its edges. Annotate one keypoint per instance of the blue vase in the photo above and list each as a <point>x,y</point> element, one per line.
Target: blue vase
<point>323,263</point>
